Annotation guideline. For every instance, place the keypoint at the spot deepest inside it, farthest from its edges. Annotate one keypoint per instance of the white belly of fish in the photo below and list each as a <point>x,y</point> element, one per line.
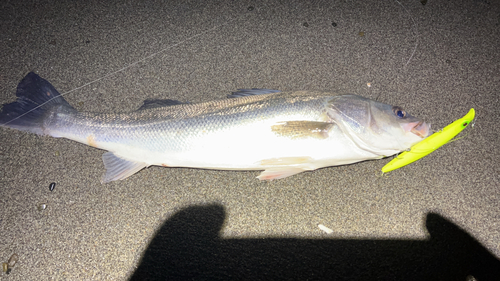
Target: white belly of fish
<point>250,147</point>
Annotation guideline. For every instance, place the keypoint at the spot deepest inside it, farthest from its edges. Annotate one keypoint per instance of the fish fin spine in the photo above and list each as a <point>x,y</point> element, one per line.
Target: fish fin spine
<point>157,103</point>
<point>251,92</point>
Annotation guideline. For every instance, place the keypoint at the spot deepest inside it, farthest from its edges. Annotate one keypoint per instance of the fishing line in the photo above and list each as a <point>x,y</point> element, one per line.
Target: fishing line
<point>177,44</point>
<point>126,67</point>
<point>416,37</point>
<point>472,123</point>
<point>380,174</point>
<point>416,32</point>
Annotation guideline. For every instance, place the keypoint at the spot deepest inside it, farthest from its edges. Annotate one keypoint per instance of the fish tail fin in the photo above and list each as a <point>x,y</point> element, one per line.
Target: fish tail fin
<point>35,98</point>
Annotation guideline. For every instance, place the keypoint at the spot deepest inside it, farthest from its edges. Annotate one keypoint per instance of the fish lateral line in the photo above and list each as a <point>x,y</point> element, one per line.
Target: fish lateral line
<point>430,144</point>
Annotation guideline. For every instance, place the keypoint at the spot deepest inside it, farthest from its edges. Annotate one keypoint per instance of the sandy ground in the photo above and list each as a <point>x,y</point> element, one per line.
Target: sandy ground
<point>436,218</point>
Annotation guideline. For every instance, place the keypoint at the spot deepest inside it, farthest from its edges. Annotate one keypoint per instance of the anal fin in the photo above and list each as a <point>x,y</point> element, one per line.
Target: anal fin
<point>118,168</point>
<point>279,173</point>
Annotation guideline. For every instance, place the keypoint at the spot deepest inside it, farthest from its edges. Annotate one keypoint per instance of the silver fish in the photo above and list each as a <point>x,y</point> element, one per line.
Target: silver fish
<point>282,133</point>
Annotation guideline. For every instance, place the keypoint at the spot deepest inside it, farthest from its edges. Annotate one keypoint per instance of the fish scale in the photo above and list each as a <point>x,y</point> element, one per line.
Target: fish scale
<point>281,133</point>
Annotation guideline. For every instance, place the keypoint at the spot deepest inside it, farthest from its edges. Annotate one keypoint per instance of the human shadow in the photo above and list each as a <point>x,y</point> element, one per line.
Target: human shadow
<point>188,247</point>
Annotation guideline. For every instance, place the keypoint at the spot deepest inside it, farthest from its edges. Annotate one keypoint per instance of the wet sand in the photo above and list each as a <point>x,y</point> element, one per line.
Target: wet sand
<point>436,60</point>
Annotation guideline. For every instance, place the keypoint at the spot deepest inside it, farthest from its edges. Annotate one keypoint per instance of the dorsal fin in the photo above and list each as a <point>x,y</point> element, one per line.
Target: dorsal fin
<point>251,92</point>
<point>155,103</point>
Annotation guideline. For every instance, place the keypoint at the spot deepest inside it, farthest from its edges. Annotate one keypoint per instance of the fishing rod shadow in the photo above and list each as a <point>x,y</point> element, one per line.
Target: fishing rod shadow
<point>188,247</point>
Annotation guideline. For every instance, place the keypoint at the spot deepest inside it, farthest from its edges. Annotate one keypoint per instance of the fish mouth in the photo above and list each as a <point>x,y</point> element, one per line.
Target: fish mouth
<point>421,129</point>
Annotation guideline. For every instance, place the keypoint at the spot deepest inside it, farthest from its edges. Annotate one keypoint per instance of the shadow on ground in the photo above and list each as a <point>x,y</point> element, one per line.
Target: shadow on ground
<point>188,247</point>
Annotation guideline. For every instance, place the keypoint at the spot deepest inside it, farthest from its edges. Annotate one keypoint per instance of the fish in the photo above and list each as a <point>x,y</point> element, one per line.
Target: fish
<point>279,133</point>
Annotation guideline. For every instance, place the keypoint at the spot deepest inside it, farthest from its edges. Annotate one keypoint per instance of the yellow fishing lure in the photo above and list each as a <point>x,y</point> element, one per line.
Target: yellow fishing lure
<point>430,144</point>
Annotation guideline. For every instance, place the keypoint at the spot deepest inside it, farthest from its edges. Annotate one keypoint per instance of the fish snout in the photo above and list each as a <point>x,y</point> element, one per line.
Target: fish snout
<point>420,129</point>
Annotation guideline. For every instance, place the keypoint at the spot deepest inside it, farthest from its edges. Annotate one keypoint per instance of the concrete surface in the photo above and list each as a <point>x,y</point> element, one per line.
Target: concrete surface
<point>438,218</point>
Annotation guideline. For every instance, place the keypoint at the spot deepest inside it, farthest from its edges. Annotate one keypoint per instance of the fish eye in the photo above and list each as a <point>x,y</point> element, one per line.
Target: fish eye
<point>399,111</point>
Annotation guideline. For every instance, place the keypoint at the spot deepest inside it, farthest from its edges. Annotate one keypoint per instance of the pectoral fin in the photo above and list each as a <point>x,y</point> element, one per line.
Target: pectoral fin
<point>302,129</point>
<point>118,168</point>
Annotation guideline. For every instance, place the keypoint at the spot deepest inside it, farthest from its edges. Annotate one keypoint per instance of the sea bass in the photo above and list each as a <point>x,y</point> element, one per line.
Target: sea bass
<point>281,133</point>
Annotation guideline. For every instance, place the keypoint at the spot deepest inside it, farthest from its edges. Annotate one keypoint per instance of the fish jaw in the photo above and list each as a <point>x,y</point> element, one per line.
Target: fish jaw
<point>421,129</point>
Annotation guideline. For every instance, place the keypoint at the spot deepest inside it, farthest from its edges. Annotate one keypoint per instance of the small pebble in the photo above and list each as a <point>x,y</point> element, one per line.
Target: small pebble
<point>250,8</point>
<point>13,260</point>
<point>52,186</point>
<point>334,24</point>
<point>305,24</point>
<point>325,229</point>
<point>448,61</point>
<point>42,206</point>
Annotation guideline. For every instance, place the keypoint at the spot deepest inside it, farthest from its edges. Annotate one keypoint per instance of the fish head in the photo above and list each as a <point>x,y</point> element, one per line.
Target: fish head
<point>377,127</point>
